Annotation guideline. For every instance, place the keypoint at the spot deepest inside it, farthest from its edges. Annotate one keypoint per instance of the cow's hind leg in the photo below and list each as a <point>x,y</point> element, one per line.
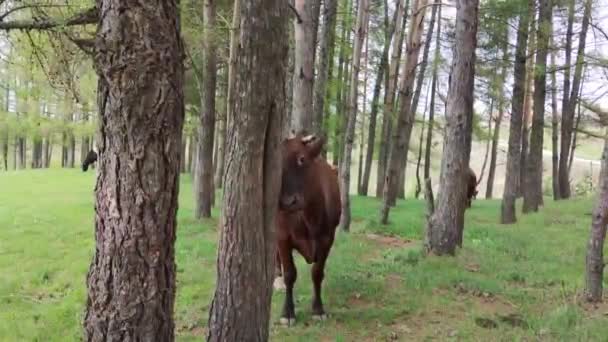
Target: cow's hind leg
<point>318,273</point>
<point>290,274</point>
<point>279,283</point>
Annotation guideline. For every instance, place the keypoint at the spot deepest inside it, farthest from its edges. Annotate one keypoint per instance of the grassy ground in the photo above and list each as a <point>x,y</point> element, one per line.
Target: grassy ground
<point>508,283</point>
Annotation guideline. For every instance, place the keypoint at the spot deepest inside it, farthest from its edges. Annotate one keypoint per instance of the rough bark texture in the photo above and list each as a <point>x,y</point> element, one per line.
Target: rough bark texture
<point>595,245</point>
<point>533,189</point>
<point>328,34</point>
<point>304,74</point>
<point>389,99</point>
<point>401,138</point>
<point>567,116</point>
<point>203,181</point>
<point>429,134</point>
<point>446,225</point>
<point>240,310</point>
<point>131,280</point>
<point>373,118</point>
<point>508,213</point>
<point>351,113</point>
<point>554,127</point>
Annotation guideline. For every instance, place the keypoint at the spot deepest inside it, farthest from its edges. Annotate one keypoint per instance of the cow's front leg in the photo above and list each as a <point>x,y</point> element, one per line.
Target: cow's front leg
<point>290,274</point>
<point>318,273</point>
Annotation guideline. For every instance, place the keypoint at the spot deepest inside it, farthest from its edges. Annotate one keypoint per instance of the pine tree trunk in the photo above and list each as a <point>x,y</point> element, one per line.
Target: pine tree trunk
<point>84,148</point>
<point>204,188</point>
<point>5,150</point>
<point>421,142</point>
<point>389,99</point>
<point>22,152</point>
<point>488,143</point>
<point>363,115</point>
<point>304,74</point>
<point>72,151</point>
<point>445,226</point>
<point>525,135</point>
<point>554,125</point>
<point>327,44</point>
<point>508,213</point>
<point>567,115</point>
<point>240,310</point>
<point>399,148</point>
<point>429,134</point>
<point>191,152</point>
<point>131,280</point>
<point>351,113</point>
<point>533,190</point>
<point>576,125</point>
<point>340,89</point>
<point>595,245</point>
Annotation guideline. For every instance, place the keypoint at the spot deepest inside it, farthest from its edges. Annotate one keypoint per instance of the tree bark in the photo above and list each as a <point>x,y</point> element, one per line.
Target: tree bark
<point>554,125</point>
<point>363,114</point>
<point>445,227</point>
<point>429,134</point>
<point>389,99</point>
<point>304,74</point>
<point>131,280</point>
<point>567,116</point>
<point>240,310</point>
<point>327,44</point>
<point>204,174</point>
<point>525,135</point>
<point>351,113</point>
<point>488,143</point>
<point>398,152</point>
<point>576,125</point>
<point>508,213</point>
<point>595,246</point>
<point>533,190</point>
<point>373,118</point>
<point>420,143</point>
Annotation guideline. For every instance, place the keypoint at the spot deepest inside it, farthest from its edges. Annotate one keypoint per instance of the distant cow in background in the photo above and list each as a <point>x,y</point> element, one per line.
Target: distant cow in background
<point>307,217</point>
<point>471,186</point>
<point>90,159</point>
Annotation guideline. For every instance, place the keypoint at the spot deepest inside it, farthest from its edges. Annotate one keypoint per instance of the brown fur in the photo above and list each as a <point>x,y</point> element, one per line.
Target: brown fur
<point>309,212</point>
<point>471,186</point>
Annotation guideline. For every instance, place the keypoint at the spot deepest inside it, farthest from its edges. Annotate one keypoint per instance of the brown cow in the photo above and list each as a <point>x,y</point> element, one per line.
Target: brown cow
<point>309,212</point>
<point>471,186</point>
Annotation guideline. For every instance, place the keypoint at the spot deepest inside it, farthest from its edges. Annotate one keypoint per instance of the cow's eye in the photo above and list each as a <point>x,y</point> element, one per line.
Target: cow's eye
<point>300,161</point>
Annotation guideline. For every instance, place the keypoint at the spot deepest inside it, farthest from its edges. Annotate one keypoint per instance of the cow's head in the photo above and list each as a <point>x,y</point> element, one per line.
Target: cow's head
<point>299,152</point>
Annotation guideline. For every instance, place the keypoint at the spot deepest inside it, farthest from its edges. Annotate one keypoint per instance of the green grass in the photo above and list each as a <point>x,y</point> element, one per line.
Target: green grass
<point>378,284</point>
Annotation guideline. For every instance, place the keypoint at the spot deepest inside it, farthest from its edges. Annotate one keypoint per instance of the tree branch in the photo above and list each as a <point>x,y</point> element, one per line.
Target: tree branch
<point>89,16</point>
<point>295,12</point>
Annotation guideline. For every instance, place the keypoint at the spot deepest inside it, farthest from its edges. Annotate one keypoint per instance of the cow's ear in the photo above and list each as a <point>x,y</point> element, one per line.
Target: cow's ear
<point>315,146</point>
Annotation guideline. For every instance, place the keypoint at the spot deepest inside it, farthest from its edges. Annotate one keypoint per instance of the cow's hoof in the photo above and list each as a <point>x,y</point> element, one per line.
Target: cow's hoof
<point>287,322</point>
<point>321,317</point>
<point>279,284</point>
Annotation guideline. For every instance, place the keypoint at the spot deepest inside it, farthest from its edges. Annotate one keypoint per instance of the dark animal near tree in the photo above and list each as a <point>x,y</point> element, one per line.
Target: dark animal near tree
<point>471,186</point>
<point>307,217</point>
<point>90,159</point>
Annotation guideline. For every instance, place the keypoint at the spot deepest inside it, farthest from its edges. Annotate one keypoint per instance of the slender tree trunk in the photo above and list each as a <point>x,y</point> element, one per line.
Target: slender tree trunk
<point>533,189</point>
<point>342,75</point>
<point>420,143</point>
<point>303,77</point>
<point>554,125</point>
<point>204,176</point>
<point>445,226</point>
<point>327,44</point>
<point>525,135</point>
<point>363,115</point>
<point>567,116</point>
<point>240,310</point>
<point>371,137</point>
<point>576,125</point>
<point>342,120</point>
<point>429,134</point>
<point>22,152</point>
<point>360,34</point>
<point>508,213</point>
<point>425,58</point>
<point>399,148</point>
<point>182,167</point>
<point>191,152</point>
<point>488,143</point>
<point>595,245</point>
<point>131,280</point>
<point>72,151</point>
<point>5,150</point>
<point>389,99</point>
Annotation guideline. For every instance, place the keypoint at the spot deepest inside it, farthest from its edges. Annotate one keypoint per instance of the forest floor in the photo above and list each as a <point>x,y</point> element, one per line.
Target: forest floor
<point>520,282</point>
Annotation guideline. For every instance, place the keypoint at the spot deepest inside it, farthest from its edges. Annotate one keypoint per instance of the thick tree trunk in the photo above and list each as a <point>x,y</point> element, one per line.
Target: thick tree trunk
<point>373,118</point>
<point>445,227</point>
<point>304,74</point>
<point>508,213</point>
<point>567,116</point>
<point>429,134</point>
<point>204,174</point>
<point>595,246</point>
<point>84,148</point>
<point>554,125</point>
<point>240,310</point>
<point>389,99</point>
<point>131,280</point>
<point>399,148</point>
<point>351,113</point>
<point>533,189</point>
<point>328,34</point>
